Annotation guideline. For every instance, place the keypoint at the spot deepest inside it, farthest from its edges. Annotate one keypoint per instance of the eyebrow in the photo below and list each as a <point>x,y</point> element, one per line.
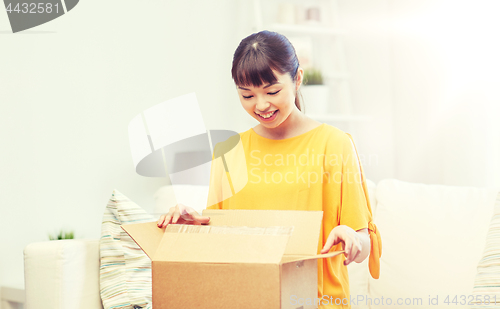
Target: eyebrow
<point>264,86</point>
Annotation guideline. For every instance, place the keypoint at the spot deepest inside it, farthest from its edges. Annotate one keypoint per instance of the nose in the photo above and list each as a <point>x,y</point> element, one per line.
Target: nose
<point>262,105</point>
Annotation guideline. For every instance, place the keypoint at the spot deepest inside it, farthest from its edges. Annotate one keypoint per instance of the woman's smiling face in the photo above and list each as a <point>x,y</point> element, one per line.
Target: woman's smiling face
<point>270,104</point>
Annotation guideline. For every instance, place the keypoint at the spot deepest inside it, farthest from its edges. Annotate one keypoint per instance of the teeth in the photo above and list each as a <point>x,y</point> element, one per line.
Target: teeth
<point>267,115</point>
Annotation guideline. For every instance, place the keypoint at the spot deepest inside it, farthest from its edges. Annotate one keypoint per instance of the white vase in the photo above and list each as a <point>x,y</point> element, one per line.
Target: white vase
<point>315,98</point>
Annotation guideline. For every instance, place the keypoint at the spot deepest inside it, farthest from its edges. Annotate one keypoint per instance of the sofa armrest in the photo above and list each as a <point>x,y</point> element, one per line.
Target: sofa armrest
<point>62,274</point>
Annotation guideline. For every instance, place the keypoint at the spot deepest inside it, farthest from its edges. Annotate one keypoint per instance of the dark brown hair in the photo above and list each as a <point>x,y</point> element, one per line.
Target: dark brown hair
<point>259,54</point>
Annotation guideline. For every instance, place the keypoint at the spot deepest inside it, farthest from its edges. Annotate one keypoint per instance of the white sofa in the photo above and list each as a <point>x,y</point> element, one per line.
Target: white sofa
<point>433,237</point>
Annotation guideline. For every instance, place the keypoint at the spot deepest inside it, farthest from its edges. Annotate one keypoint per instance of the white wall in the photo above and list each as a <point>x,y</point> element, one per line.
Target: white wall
<point>68,91</point>
<point>427,71</point>
<point>368,51</point>
<point>445,91</point>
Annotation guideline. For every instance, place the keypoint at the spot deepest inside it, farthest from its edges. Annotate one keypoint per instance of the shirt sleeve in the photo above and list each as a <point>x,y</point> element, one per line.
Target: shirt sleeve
<point>356,210</point>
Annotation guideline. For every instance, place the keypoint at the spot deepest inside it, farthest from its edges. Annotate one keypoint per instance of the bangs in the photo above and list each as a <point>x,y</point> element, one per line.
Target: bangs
<point>254,70</point>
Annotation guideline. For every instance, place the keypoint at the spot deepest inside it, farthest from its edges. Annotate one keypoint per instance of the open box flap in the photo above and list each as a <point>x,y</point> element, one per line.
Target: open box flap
<point>147,235</point>
<point>295,258</point>
<point>213,244</point>
<point>306,225</point>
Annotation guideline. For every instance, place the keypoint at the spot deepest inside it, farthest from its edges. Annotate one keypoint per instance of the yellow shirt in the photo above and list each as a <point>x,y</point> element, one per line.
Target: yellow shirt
<point>317,170</point>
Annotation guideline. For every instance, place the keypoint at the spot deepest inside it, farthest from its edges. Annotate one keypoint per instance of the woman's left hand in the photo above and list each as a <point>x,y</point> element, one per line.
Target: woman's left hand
<point>350,239</point>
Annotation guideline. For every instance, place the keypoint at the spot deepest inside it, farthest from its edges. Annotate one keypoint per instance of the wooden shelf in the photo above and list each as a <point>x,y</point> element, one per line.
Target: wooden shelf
<point>339,117</point>
<point>305,29</point>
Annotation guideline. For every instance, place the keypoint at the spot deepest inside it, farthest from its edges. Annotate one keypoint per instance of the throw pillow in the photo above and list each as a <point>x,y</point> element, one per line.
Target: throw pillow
<point>486,291</point>
<point>125,270</point>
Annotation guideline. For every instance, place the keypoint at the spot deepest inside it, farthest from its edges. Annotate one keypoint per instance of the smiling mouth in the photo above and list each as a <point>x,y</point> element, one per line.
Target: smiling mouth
<point>270,116</point>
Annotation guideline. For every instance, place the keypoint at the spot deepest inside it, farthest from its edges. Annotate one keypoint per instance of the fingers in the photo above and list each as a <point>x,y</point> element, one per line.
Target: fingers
<point>330,242</point>
<point>190,216</point>
<point>348,250</point>
<point>328,245</point>
<point>353,249</point>
<point>161,220</point>
<point>351,243</point>
<point>175,216</point>
<point>187,213</point>
<point>356,256</point>
<point>166,218</point>
<point>182,214</point>
<point>201,220</point>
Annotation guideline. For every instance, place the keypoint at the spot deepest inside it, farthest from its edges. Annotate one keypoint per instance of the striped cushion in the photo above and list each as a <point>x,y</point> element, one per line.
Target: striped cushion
<point>487,282</point>
<point>125,271</point>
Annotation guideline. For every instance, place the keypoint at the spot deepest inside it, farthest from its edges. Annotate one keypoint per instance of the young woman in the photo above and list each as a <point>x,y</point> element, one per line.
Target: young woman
<point>292,162</point>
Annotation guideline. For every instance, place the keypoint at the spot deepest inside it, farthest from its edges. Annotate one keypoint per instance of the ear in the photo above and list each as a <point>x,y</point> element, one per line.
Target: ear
<point>300,76</point>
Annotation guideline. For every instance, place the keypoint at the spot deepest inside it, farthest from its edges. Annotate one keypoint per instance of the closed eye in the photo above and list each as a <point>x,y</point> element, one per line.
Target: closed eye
<point>270,93</point>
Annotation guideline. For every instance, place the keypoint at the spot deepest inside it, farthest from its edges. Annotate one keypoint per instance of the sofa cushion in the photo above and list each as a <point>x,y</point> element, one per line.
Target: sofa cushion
<point>125,270</point>
<point>487,283</point>
<point>433,237</point>
<point>61,274</point>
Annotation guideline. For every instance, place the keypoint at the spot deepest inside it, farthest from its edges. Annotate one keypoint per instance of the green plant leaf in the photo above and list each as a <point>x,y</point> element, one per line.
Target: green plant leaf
<point>62,235</point>
<point>313,77</point>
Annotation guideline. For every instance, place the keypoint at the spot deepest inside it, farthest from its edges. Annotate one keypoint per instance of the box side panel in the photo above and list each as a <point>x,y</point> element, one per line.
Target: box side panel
<point>221,248</point>
<point>299,285</point>
<point>178,285</point>
<point>306,225</point>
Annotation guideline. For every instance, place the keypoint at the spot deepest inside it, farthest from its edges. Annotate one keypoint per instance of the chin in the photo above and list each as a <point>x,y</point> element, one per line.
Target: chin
<point>270,125</point>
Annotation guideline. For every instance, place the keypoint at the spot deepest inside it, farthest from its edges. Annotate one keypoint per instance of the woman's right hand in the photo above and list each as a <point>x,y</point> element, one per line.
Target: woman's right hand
<point>182,214</point>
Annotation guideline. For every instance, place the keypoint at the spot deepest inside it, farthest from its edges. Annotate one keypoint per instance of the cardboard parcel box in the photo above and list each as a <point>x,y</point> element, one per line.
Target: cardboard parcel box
<point>242,259</point>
